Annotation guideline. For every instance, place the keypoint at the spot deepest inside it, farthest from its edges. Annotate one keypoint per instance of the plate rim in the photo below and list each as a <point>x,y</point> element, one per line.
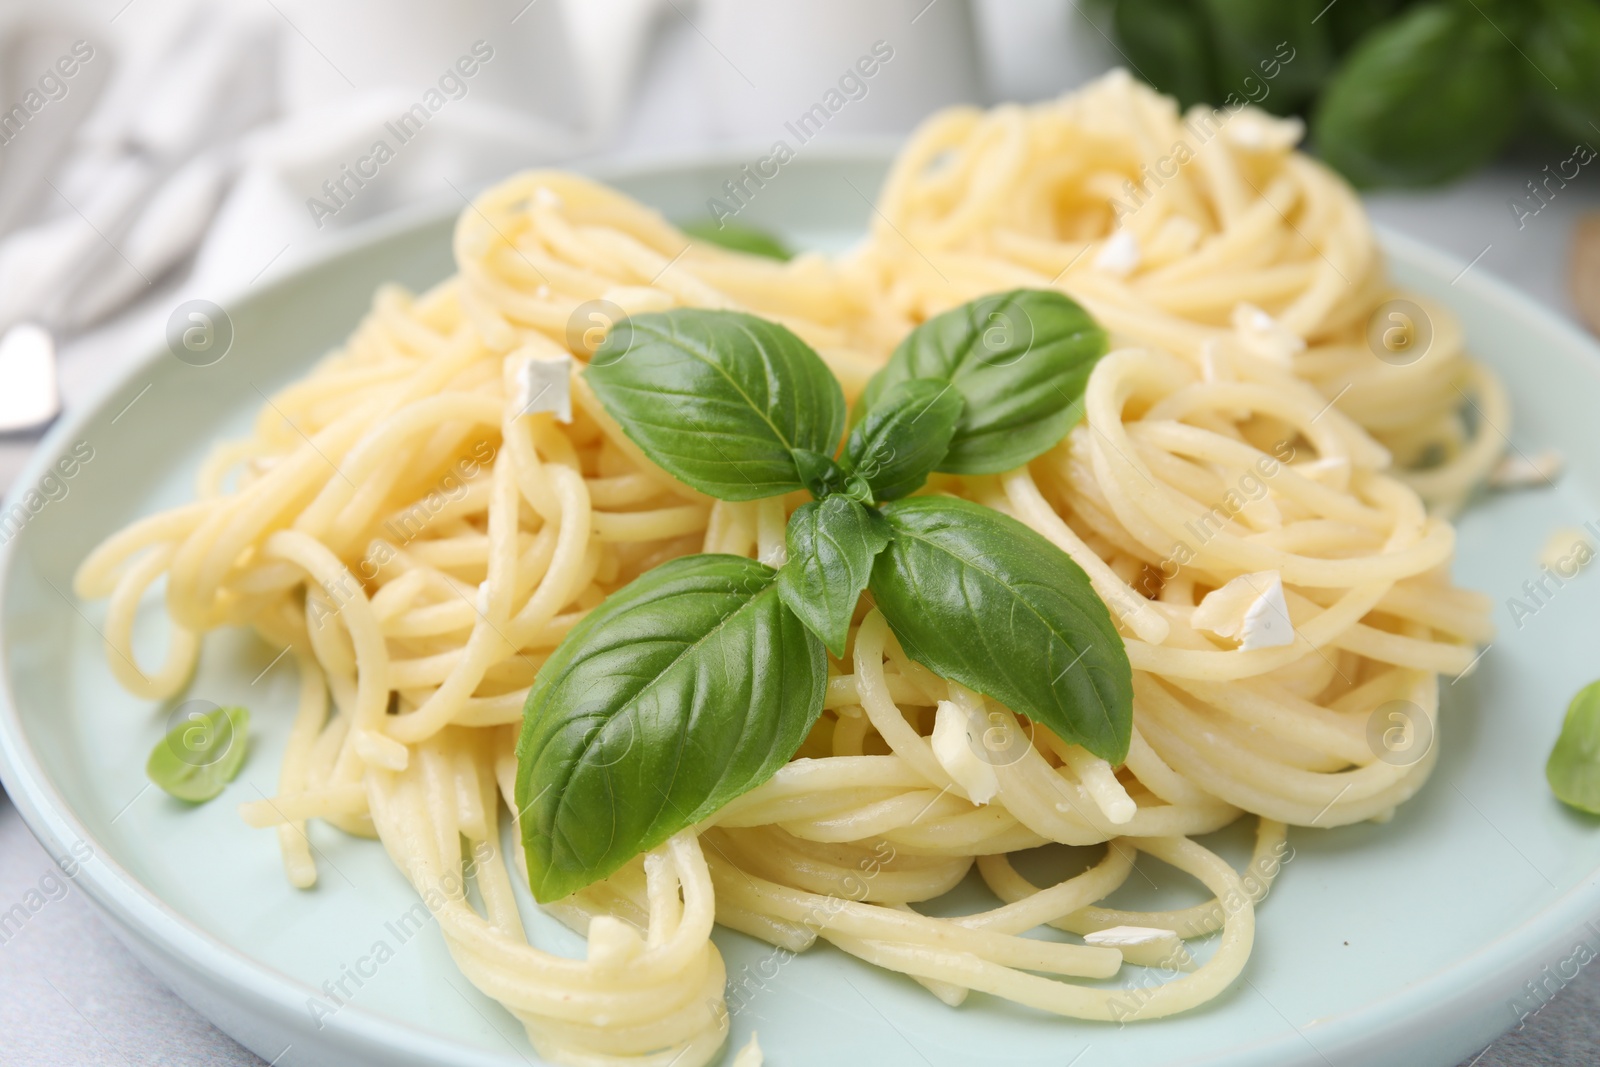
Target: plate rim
<point>1479,979</point>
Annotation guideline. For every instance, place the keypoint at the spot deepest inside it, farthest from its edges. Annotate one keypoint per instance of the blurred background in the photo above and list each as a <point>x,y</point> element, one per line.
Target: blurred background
<point>155,150</point>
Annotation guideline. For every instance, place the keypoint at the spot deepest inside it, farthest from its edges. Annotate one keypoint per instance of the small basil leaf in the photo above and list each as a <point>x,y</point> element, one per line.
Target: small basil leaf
<point>737,237</point>
<point>687,687</point>
<point>1019,360</point>
<point>857,489</point>
<point>831,547</point>
<point>1574,766</point>
<point>1422,99</point>
<point>904,436</point>
<point>201,754</point>
<point>719,399</point>
<point>1167,42</point>
<point>980,598</point>
<point>818,473</point>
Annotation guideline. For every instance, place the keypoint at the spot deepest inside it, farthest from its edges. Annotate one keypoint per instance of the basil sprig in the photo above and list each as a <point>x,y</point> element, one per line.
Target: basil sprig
<point>698,680</point>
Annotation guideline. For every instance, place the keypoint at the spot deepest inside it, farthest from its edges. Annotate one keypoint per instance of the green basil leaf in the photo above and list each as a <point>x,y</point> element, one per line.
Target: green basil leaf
<point>980,598</point>
<point>737,237</point>
<point>201,753</point>
<point>1349,20</point>
<point>685,688</point>
<point>1574,766</point>
<point>1019,360</point>
<point>832,544</point>
<point>819,473</point>
<point>904,436</point>
<point>1565,46</point>
<point>1271,53</point>
<point>1167,42</point>
<point>719,399</point>
<point>1421,100</point>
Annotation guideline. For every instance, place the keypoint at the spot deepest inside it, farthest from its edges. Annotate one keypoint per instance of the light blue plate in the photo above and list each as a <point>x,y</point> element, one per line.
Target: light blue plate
<point>1411,944</point>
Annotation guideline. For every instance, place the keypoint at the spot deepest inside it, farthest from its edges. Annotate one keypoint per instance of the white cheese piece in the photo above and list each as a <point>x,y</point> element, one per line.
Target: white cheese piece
<point>1517,471</point>
<point>956,734</point>
<point>31,396</point>
<point>1222,610</point>
<point>481,601</point>
<point>1266,621</point>
<point>1264,336</point>
<point>1119,256</point>
<point>612,942</point>
<point>545,385</point>
<point>1256,131</point>
<point>1147,946</point>
<point>544,196</point>
<point>750,1055</point>
<point>1251,609</point>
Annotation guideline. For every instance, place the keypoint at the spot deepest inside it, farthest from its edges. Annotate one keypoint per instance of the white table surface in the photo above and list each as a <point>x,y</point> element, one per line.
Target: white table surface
<point>71,994</point>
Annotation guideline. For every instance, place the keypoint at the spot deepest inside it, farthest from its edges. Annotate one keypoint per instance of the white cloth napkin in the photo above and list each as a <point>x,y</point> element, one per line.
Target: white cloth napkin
<point>249,129</point>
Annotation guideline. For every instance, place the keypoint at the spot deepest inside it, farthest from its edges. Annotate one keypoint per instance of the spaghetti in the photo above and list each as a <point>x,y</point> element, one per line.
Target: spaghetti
<point>421,545</point>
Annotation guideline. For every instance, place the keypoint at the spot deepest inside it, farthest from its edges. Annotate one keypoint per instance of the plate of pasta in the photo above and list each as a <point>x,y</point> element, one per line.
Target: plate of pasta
<point>1096,602</point>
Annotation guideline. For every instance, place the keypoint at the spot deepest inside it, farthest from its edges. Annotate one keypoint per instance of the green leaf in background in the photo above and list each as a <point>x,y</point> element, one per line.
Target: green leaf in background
<point>684,689</point>
<point>904,436</point>
<point>978,597</point>
<point>201,753</point>
<point>1167,42</point>
<point>738,238</point>
<point>1349,20</point>
<point>832,544</point>
<point>720,400</point>
<point>1255,38</point>
<point>1564,47</point>
<point>1423,99</point>
<point>1574,766</point>
<point>1020,362</point>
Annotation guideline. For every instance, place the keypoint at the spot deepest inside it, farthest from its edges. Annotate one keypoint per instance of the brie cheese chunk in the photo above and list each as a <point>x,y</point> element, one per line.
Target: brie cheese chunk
<point>545,384</point>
